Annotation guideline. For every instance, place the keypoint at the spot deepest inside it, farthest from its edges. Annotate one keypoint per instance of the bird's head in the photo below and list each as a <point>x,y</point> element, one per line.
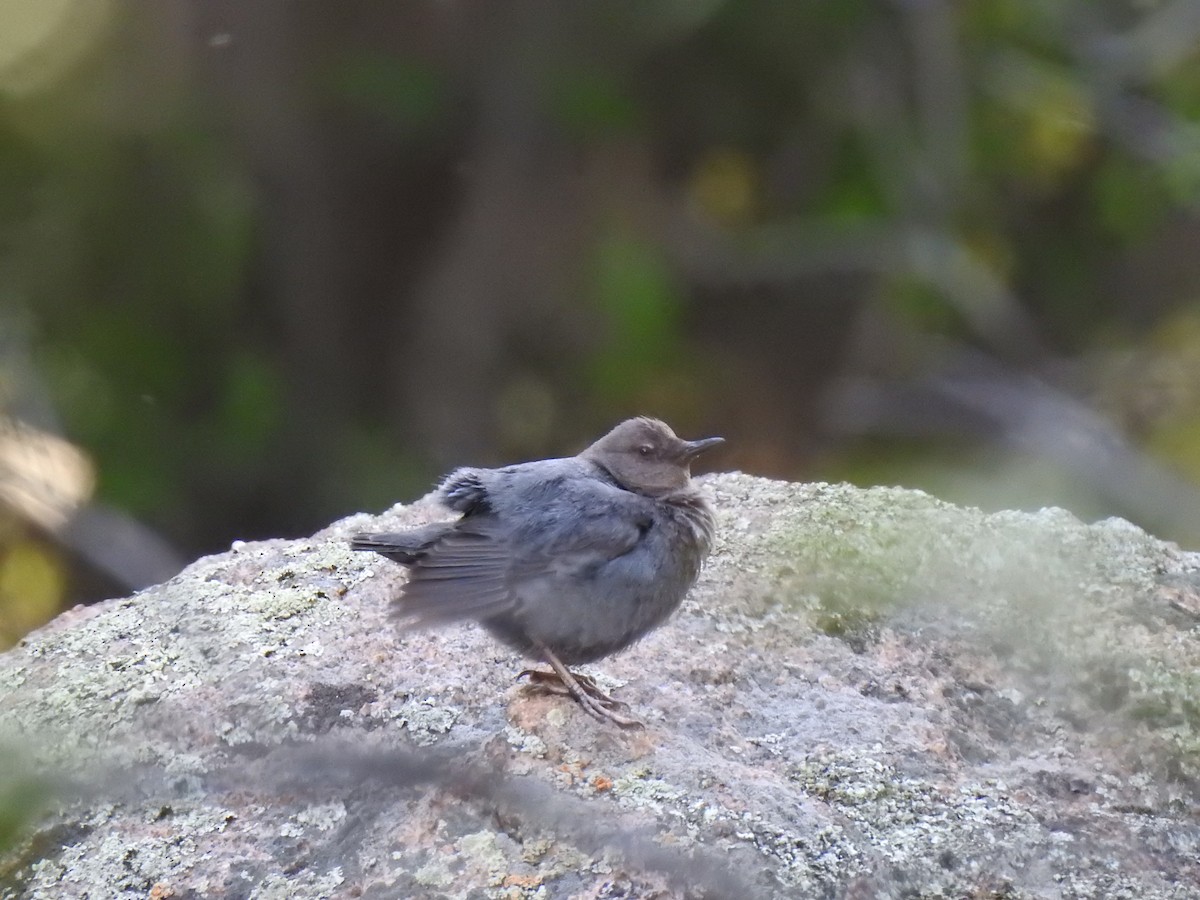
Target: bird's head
<point>645,456</point>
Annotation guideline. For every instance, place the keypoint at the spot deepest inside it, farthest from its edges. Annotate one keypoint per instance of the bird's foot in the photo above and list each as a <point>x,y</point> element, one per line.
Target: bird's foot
<point>551,683</point>
<point>584,691</point>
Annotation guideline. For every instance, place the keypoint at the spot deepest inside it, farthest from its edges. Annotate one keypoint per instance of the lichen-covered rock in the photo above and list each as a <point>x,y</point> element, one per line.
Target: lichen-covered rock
<point>870,693</point>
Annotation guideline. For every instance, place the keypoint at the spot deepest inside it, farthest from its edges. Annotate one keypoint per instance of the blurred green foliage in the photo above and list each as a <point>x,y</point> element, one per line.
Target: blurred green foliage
<point>592,105</point>
<point>405,93</point>
<point>23,798</point>
<point>641,305</point>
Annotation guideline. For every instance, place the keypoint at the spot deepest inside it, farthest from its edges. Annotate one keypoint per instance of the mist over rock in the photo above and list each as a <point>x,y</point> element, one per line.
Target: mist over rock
<point>869,693</point>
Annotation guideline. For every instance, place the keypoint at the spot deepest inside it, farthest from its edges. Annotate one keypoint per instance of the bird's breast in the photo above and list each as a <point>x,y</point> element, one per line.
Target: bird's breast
<point>693,519</point>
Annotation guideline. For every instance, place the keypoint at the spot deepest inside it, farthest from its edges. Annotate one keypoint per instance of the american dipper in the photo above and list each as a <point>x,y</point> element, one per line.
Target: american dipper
<point>565,560</point>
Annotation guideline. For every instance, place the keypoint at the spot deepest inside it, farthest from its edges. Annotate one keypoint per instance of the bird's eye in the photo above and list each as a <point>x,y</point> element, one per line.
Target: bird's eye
<point>644,450</point>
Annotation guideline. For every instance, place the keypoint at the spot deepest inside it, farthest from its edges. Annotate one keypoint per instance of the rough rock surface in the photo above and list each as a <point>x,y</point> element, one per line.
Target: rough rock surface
<point>870,693</point>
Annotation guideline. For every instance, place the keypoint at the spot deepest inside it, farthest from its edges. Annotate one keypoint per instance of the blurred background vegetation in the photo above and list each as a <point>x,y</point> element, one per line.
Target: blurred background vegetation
<point>265,264</point>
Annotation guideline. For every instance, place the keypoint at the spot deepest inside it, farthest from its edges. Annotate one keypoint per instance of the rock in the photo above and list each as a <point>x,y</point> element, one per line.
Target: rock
<point>870,693</point>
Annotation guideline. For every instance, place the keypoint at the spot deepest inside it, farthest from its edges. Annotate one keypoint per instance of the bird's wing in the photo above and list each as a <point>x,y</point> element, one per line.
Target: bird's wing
<point>580,538</point>
<point>463,576</point>
<point>476,571</point>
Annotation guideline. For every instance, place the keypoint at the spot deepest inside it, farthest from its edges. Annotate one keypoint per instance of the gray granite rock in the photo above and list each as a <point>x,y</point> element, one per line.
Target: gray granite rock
<point>870,693</point>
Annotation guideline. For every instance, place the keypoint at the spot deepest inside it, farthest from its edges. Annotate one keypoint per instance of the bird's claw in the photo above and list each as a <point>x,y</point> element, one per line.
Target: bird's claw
<point>584,691</point>
<point>551,683</point>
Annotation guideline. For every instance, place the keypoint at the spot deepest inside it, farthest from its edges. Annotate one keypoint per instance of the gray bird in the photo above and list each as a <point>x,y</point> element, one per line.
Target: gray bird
<point>565,560</point>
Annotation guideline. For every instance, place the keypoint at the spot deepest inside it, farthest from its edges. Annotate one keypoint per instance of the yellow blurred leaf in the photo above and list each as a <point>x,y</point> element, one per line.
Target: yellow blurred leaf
<point>32,585</point>
<point>1057,108</point>
<point>41,39</point>
<point>1177,440</point>
<point>725,186</point>
<point>1058,135</point>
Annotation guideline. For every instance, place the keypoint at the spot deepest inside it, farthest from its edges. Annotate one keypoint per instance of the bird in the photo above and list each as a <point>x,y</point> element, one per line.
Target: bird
<point>566,561</point>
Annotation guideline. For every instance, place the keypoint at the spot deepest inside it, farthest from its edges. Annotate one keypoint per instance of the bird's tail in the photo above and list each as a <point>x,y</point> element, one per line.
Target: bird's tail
<point>404,547</point>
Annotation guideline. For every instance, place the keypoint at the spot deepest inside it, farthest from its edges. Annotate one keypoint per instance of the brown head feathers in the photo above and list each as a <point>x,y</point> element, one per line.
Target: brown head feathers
<point>644,455</point>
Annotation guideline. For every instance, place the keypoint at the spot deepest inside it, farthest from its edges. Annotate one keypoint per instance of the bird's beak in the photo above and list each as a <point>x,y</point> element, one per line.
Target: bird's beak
<point>692,449</point>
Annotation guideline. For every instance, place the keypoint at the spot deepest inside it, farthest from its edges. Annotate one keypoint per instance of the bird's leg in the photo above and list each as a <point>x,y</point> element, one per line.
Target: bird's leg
<point>582,689</point>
